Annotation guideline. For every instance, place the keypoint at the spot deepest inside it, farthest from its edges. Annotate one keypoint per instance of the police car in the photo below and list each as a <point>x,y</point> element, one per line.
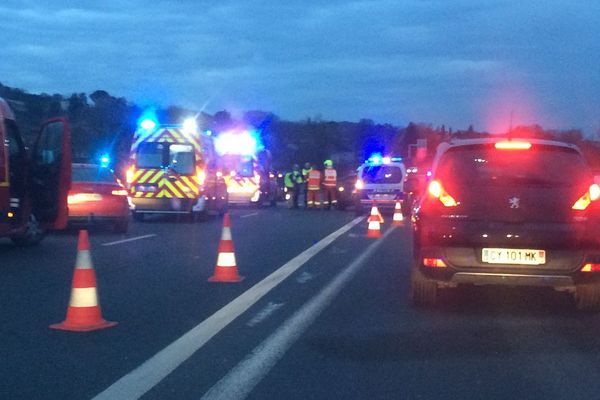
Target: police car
<point>380,180</point>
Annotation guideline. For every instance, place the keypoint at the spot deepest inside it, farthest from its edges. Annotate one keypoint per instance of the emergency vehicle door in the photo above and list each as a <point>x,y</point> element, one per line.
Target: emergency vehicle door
<point>51,173</point>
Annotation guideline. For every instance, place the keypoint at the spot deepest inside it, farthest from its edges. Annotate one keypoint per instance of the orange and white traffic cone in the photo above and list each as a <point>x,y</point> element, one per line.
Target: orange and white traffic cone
<point>375,211</point>
<point>398,217</point>
<point>374,229</point>
<point>226,268</point>
<point>83,314</point>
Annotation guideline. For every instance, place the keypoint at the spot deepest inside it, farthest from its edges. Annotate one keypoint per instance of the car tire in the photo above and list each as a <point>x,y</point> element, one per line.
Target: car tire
<point>587,297</point>
<point>423,291</point>
<point>121,226</point>
<point>138,217</point>
<point>199,216</point>
<point>33,233</point>
<point>359,210</point>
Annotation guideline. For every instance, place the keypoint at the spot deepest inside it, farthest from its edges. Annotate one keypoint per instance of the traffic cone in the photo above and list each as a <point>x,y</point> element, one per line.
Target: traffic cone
<point>374,229</point>
<point>375,211</point>
<point>83,314</point>
<point>226,268</point>
<point>398,217</point>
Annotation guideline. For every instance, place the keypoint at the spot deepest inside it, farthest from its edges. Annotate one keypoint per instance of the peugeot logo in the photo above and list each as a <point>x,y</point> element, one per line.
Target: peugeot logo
<point>513,202</point>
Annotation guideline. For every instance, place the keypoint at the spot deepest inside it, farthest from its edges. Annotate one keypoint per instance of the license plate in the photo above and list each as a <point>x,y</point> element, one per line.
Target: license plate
<point>513,256</point>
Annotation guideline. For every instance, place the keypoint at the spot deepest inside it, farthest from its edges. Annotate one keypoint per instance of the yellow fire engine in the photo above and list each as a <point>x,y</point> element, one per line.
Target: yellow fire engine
<point>172,171</point>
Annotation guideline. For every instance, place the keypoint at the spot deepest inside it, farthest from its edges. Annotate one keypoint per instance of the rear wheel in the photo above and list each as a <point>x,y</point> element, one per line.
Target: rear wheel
<point>423,291</point>
<point>138,217</point>
<point>33,233</point>
<point>587,297</point>
<point>121,226</point>
<point>359,210</point>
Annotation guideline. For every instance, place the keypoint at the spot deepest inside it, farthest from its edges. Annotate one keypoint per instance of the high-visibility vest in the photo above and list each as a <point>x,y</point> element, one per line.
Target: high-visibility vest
<point>314,179</point>
<point>305,172</point>
<point>287,180</point>
<point>330,177</point>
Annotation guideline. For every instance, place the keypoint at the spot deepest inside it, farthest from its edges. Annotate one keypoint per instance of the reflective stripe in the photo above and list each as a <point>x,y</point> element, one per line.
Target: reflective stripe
<point>226,235</point>
<point>84,260</point>
<point>83,297</point>
<point>226,260</point>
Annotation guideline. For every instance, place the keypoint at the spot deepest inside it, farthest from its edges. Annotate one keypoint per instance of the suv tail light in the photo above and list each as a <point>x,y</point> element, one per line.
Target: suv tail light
<point>359,184</point>
<point>592,194</point>
<point>589,267</point>
<point>434,263</point>
<point>436,190</point>
<point>512,145</point>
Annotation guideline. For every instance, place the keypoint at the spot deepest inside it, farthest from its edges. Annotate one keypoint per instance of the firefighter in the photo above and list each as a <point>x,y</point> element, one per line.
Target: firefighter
<point>314,188</point>
<point>329,185</point>
<point>305,172</point>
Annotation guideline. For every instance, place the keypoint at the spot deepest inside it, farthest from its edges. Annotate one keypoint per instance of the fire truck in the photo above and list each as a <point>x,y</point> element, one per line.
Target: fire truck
<point>33,186</point>
<point>172,170</point>
<point>246,168</point>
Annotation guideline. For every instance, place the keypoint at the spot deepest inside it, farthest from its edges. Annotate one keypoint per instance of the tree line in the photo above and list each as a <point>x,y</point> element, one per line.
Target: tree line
<point>105,123</point>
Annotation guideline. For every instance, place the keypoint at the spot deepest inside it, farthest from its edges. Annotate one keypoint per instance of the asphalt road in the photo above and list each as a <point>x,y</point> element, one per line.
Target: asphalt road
<point>322,313</point>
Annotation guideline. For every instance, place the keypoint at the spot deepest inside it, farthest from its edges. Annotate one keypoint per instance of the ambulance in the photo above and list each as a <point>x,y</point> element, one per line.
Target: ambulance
<point>246,168</point>
<point>172,170</point>
<point>33,185</point>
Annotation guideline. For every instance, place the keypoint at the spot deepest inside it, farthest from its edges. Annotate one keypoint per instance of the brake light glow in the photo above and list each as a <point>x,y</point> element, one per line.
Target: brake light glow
<point>589,267</point>
<point>592,194</point>
<point>359,184</point>
<point>201,175</point>
<point>436,190</point>
<point>434,263</point>
<point>512,145</point>
<point>120,192</point>
<point>129,174</point>
<point>79,198</point>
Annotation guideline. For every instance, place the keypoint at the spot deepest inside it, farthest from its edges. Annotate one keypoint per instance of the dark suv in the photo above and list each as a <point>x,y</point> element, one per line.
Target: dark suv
<point>508,212</point>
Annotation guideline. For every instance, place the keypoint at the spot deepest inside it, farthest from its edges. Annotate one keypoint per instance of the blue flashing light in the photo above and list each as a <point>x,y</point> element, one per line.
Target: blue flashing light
<point>243,143</point>
<point>104,160</point>
<point>148,120</point>
<point>148,124</point>
<point>375,159</point>
<point>208,132</point>
<point>396,159</point>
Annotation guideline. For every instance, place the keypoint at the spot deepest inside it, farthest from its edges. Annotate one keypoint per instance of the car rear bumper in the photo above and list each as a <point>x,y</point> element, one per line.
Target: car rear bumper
<point>163,205</point>
<point>465,266</point>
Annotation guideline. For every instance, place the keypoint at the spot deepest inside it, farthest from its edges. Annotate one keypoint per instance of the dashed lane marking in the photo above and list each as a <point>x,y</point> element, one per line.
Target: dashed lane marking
<point>139,381</point>
<point>248,215</point>
<point>244,377</point>
<point>129,240</point>
<point>264,313</point>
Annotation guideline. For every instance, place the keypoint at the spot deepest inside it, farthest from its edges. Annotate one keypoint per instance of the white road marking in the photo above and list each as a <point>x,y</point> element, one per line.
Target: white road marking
<point>129,240</point>
<point>264,313</point>
<point>248,215</point>
<point>304,277</point>
<point>242,379</point>
<point>139,381</point>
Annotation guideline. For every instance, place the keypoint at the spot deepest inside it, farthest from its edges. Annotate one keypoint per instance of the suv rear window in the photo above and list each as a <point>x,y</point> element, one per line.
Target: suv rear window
<point>91,174</point>
<point>381,174</point>
<point>485,165</point>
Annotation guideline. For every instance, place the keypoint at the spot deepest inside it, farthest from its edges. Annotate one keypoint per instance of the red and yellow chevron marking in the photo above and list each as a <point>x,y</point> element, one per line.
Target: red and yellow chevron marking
<point>169,135</point>
<point>183,187</point>
<point>241,185</point>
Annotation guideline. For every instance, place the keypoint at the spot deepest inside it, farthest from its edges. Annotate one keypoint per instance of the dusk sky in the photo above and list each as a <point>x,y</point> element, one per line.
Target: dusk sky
<point>438,61</point>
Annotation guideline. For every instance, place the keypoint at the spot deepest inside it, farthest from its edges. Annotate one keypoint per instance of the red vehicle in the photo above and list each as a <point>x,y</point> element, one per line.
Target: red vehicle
<point>33,187</point>
<point>96,195</point>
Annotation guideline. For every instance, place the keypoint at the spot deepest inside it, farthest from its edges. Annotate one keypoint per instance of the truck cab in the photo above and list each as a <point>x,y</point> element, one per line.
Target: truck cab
<point>33,186</point>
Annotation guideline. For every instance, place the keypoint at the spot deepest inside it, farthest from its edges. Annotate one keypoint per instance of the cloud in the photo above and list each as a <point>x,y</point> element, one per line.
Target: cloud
<point>392,60</point>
